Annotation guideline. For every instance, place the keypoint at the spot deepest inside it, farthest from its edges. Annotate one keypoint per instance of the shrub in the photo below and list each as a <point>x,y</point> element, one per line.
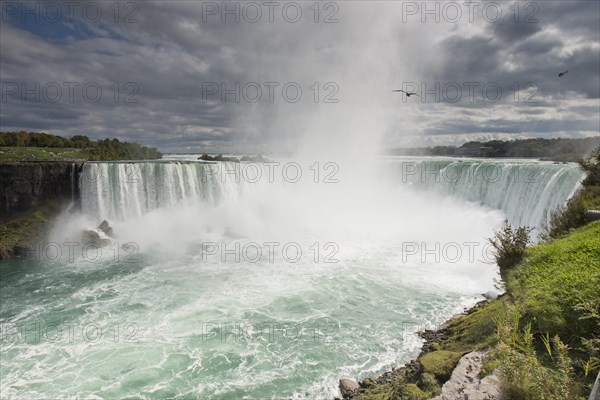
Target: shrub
<point>572,215</point>
<point>592,166</point>
<point>509,245</point>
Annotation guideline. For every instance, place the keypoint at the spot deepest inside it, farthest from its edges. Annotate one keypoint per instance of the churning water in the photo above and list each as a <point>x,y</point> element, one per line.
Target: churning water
<point>223,285</point>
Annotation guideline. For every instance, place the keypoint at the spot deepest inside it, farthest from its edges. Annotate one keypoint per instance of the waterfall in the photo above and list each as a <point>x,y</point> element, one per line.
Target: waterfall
<point>121,190</point>
<point>526,191</point>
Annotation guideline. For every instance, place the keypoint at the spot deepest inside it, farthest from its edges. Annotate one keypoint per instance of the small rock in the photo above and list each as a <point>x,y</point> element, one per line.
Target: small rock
<point>367,383</point>
<point>106,228</point>
<point>491,295</point>
<point>592,215</point>
<point>348,387</point>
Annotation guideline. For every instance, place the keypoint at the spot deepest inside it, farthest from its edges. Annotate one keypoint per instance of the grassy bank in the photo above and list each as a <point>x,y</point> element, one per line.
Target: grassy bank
<point>543,334</point>
<point>42,154</point>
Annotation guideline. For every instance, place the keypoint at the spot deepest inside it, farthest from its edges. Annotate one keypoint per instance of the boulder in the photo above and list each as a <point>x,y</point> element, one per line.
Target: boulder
<point>592,215</point>
<point>466,384</point>
<point>491,295</point>
<point>106,228</point>
<point>97,237</point>
<point>348,387</point>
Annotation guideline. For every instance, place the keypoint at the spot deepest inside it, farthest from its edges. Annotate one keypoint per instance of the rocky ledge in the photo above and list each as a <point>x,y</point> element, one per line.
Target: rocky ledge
<point>466,384</point>
<point>27,185</point>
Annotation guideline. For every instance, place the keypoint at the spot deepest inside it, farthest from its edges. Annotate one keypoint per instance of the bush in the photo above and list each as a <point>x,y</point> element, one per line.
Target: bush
<point>592,166</point>
<point>572,215</point>
<point>509,245</point>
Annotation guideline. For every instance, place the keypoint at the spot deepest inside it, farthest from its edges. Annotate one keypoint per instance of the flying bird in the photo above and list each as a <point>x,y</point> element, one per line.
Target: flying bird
<point>562,73</point>
<point>408,94</point>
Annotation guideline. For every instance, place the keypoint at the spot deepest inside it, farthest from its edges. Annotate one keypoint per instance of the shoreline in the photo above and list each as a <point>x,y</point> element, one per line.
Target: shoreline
<point>412,371</point>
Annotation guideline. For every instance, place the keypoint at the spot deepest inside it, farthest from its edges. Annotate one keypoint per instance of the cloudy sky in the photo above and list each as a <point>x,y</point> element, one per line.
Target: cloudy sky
<point>266,76</point>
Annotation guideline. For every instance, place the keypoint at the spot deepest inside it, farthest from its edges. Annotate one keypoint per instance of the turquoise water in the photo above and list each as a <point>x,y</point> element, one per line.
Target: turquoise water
<point>353,319</point>
<point>163,317</point>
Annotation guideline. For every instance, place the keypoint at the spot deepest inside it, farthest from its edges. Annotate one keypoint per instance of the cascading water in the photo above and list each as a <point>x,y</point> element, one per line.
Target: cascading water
<point>172,321</point>
<point>120,190</point>
<point>526,191</point>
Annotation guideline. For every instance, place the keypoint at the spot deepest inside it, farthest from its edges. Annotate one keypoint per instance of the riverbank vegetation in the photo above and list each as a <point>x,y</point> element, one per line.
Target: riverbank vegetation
<point>39,146</point>
<point>573,214</point>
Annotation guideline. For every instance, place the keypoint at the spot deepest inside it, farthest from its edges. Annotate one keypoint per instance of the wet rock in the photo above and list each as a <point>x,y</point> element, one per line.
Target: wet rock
<point>348,387</point>
<point>491,295</point>
<point>592,215</point>
<point>96,237</point>
<point>106,228</point>
<point>27,185</point>
<point>367,383</point>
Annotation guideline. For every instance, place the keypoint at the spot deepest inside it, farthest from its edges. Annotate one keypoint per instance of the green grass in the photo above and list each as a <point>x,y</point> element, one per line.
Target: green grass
<point>474,331</point>
<point>42,154</point>
<point>440,363</point>
<point>555,278</point>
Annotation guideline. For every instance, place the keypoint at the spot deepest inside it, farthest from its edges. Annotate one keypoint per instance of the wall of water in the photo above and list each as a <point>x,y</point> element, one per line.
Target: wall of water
<point>119,190</point>
<point>526,191</point>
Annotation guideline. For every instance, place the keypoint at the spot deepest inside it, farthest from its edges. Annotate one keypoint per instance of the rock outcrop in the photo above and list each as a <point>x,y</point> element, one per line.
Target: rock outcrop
<point>465,383</point>
<point>26,185</point>
<point>106,228</point>
<point>592,215</point>
<point>99,237</point>
<point>348,387</point>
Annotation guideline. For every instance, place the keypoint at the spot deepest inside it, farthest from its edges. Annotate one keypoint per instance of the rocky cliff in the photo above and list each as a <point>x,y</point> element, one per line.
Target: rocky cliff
<point>26,185</point>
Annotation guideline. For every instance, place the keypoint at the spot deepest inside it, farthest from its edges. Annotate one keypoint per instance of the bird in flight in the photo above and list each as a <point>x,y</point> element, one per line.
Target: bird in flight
<point>408,94</point>
<point>562,73</point>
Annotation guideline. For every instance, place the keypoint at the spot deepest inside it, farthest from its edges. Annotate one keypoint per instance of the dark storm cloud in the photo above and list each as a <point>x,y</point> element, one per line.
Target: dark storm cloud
<point>509,31</point>
<point>535,46</point>
<point>166,55</point>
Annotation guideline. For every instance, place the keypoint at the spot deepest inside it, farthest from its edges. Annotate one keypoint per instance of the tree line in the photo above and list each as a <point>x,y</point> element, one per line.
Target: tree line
<point>107,149</point>
<point>554,149</point>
